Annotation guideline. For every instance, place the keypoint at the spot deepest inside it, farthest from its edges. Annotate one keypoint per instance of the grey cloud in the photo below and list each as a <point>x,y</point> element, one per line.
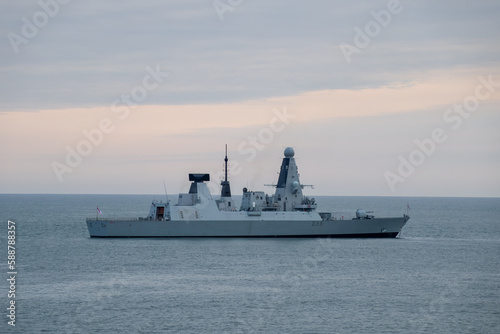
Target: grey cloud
<point>90,53</point>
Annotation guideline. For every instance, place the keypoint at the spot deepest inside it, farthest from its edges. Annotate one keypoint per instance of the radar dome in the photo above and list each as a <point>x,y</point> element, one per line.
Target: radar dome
<point>289,152</point>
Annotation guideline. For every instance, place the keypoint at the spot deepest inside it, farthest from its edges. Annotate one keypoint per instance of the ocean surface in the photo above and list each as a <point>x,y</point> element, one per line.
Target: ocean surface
<point>442,275</point>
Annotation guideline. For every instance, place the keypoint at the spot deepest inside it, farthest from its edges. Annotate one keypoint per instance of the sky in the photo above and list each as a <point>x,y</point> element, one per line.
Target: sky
<point>377,98</point>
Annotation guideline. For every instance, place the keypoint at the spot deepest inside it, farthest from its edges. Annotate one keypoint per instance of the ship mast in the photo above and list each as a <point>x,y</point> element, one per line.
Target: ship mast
<point>225,167</point>
<point>226,188</point>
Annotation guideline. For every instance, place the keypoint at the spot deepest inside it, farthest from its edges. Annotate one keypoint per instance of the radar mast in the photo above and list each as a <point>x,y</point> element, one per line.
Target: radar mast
<point>226,188</point>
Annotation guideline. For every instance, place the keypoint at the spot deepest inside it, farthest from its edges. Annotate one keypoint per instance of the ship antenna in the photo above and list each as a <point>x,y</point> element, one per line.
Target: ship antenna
<point>165,187</point>
<point>226,188</point>
<point>225,168</point>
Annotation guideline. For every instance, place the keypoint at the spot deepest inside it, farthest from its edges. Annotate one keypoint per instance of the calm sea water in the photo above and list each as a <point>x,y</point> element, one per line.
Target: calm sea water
<point>441,276</point>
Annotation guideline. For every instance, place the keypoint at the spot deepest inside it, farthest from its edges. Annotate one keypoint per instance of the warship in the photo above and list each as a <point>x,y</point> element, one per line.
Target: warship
<point>286,213</point>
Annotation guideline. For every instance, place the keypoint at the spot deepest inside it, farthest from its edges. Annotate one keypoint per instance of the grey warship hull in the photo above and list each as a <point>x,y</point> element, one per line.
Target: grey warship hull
<point>364,228</point>
<point>287,213</point>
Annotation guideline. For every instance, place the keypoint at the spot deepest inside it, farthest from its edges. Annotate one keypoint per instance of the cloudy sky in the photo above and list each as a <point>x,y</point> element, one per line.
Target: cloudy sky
<point>382,98</point>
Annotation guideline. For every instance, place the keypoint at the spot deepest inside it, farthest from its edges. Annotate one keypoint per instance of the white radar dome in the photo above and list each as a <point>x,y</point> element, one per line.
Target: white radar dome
<point>361,213</point>
<point>289,152</point>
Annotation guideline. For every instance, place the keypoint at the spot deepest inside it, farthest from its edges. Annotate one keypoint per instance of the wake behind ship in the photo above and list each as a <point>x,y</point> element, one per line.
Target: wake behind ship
<point>286,213</point>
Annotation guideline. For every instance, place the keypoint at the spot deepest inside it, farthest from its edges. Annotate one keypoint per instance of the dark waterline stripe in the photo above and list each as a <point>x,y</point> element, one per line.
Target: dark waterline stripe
<point>352,236</point>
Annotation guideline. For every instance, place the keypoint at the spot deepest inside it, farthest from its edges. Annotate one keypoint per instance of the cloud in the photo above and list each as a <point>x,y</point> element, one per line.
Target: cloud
<point>225,79</point>
<point>358,134</point>
<point>89,53</point>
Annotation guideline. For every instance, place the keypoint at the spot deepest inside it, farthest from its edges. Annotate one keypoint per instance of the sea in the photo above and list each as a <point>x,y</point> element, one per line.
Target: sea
<point>441,275</point>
